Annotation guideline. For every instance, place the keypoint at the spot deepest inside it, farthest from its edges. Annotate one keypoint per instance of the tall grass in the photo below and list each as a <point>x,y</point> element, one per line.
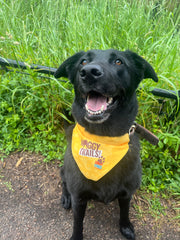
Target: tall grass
<point>46,32</point>
<point>50,31</point>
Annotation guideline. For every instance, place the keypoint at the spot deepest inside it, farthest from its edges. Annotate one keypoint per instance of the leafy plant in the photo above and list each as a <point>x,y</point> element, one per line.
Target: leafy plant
<point>30,114</point>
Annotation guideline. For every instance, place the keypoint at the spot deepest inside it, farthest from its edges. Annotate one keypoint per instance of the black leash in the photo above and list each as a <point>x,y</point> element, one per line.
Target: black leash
<point>17,64</point>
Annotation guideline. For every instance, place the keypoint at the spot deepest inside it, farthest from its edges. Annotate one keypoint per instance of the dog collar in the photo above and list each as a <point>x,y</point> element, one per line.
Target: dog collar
<point>97,155</point>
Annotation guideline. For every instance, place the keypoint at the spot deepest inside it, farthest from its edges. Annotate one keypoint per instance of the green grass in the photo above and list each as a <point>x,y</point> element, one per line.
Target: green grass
<point>47,32</point>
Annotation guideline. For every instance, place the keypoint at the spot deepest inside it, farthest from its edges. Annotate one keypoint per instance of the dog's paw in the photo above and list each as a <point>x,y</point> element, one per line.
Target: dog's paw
<point>127,231</point>
<point>77,238</point>
<point>66,201</point>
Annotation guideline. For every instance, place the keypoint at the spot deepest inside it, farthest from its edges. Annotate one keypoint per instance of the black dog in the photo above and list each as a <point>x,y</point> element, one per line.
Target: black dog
<point>105,105</point>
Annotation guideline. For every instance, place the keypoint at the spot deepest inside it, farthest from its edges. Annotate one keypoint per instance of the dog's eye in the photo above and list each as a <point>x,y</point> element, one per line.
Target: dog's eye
<point>118,62</point>
<point>84,62</point>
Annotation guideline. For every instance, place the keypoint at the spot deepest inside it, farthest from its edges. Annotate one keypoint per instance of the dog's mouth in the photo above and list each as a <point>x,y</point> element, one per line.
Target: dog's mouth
<point>98,107</point>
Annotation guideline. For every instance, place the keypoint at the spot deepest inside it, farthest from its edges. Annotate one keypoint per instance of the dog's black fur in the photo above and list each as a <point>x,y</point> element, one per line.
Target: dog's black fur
<point>116,75</point>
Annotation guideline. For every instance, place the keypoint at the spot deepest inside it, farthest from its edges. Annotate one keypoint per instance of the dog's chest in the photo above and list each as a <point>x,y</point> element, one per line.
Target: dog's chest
<point>104,193</point>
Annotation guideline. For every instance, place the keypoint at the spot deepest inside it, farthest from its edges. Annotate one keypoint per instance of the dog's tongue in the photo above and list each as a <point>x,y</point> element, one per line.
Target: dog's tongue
<point>96,102</point>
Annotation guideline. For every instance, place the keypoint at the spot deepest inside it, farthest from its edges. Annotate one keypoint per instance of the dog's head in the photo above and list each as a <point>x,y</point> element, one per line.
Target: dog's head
<point>104,80</point>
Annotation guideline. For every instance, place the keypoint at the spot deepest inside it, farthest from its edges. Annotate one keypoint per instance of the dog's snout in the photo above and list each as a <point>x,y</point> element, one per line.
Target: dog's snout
<point>94,71</point>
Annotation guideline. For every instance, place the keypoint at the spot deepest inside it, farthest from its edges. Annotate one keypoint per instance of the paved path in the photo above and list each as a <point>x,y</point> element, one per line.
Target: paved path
<point>30,207</point>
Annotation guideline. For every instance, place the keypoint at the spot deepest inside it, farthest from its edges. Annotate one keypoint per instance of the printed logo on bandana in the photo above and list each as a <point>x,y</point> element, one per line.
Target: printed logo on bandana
<point>92,149</point>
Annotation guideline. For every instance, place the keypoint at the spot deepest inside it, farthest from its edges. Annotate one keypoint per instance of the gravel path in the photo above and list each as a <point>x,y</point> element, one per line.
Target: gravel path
<point>30,208</point>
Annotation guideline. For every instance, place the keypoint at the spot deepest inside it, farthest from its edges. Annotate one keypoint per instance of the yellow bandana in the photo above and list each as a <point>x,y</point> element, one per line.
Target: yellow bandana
<point>97,155</point>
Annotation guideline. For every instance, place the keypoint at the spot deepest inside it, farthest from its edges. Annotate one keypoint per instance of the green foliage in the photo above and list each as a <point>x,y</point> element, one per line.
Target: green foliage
<point>47,32</point>
<point>29,114</point>
<point>165,161</point>
<point>161,164</point>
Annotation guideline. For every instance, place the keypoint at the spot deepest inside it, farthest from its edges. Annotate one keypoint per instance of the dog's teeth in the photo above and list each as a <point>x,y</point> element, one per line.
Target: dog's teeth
<point>110,100</point>
<point>94,113</point>
<point>102,108</point>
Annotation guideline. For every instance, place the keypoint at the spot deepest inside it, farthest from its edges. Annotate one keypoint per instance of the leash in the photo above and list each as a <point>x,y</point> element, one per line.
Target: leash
<point>144,133</point>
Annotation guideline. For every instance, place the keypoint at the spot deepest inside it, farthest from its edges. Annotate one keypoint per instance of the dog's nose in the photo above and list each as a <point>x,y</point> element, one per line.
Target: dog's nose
<point>92,70</point>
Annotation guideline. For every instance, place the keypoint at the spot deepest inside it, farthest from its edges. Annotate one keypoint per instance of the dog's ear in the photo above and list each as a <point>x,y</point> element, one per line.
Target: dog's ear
<point>68,68</point>
<point>142,68</point>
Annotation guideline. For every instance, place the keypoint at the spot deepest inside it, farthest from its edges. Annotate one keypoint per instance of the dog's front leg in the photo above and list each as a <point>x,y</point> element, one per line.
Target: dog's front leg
<point>126,226</point>
<point>79,208</point>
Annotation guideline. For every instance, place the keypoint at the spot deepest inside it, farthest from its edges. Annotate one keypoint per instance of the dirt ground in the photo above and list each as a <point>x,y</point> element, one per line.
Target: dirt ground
<point>30,208</point>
